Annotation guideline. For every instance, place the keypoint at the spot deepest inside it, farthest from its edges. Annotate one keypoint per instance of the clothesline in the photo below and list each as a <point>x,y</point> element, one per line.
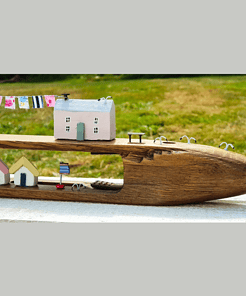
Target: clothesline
<point>38,102</point>
<point>34,96</point>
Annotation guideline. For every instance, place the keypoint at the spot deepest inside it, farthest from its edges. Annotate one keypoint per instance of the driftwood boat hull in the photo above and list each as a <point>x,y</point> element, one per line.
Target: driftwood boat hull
<point>156,175</point>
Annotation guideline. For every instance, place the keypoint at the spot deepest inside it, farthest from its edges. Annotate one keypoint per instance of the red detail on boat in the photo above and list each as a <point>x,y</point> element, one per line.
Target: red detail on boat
<point>60,186</point>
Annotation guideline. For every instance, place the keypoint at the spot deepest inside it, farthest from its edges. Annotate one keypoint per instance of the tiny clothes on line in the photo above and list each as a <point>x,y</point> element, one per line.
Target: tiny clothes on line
<point>1,100</point>
<point>10,102</point>
<point>37,102</point>
<point>23,102</point>
<point>50,101</point>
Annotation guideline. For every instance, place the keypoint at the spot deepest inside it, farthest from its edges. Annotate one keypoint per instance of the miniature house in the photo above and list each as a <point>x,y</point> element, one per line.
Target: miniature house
<point>25,173</point>
<point>84,119</point>
<point>4,173</point>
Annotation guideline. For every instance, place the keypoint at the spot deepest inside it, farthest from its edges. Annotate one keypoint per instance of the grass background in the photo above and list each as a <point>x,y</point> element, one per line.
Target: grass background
<point>209,108</point>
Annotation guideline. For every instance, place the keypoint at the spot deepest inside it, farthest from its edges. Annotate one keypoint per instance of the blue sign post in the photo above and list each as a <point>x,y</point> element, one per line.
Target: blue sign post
<point>64,170</point>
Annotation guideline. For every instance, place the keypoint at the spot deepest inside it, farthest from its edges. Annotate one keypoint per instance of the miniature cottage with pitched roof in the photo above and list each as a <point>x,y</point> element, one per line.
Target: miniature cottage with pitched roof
<point>84,119</point>
<point>4,173</point>
<point>25,173</point>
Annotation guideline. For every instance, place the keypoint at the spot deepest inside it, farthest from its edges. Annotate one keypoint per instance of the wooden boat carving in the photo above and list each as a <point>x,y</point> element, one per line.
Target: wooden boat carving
<point>173,173</point>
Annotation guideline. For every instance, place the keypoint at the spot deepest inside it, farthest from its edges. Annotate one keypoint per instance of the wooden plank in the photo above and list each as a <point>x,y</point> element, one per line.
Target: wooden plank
<point>154,174</point>
<point>117,146</point>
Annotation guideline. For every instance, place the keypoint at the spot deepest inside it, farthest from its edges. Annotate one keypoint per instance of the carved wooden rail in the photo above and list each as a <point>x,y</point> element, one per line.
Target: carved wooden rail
<point>168,174</point>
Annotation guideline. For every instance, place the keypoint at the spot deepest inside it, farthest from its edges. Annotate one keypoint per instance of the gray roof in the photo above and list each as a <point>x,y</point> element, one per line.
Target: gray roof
<point>84,105</point>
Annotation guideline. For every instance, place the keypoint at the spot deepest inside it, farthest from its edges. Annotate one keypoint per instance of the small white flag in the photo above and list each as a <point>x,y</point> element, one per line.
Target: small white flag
<point>23,102</point>
<point>37,102</point>
<point>10,102</point>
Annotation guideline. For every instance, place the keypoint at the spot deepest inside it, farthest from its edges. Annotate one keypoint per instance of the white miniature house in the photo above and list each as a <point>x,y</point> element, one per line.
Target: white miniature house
<point>4,173</point>
<point>25,173</point>
<point>81,120</point>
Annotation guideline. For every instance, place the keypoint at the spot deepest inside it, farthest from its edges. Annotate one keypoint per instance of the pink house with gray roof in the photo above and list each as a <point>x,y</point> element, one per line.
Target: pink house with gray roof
<point>4,173</point>
<point>84,119</point>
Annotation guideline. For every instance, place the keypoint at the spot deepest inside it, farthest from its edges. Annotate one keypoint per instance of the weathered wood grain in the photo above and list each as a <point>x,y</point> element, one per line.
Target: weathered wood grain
<point>168,174</point>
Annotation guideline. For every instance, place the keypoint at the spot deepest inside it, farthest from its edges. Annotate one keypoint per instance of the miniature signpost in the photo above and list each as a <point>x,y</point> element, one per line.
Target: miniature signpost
<point>64,170</point>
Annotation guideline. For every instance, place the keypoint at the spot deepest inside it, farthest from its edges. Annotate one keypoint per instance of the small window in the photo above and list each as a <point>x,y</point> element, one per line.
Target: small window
<point>96,120</point>
<point>68,128</point>
<point>68,119</point>
<point>96,130</point>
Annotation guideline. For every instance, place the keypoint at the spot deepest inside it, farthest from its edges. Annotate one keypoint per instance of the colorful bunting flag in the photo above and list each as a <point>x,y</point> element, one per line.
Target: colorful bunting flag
<point>37,102</point>
<point>23,102</point>
<point>10,102</point>
<point>50,101</point>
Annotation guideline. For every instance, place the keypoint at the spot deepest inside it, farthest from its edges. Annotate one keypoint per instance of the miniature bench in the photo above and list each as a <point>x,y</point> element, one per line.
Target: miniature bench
<point>139,134</point>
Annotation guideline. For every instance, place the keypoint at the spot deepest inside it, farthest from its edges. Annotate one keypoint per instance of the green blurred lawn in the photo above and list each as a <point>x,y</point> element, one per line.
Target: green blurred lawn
<point>211,109</point>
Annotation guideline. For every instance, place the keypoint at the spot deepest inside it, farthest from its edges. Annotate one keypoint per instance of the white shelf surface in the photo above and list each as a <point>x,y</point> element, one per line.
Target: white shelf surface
<point>231,209</point>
